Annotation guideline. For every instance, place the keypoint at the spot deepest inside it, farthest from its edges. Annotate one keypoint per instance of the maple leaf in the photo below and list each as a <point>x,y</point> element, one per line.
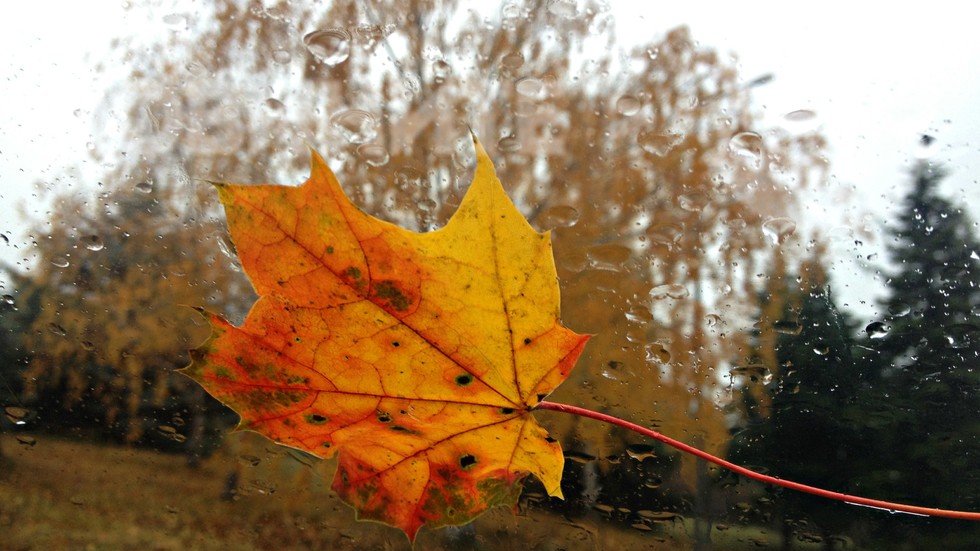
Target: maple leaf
<point>416,358</point>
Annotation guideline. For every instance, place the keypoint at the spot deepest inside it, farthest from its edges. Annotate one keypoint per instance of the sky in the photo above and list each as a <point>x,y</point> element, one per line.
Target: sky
<point>877,78</point>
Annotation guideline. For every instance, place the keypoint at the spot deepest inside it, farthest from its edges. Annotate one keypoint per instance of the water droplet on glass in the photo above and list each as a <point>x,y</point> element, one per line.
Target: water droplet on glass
<point>656,353</point>
<point>373,154</point>
<point>17,415</point>
<point>578,457</point>
<point>511,63</point>
<point>330,47</point>
<point>563,8</point>
<point>8,299</point>
<point>560,216</point>
<point>821,350</point>
<point>628,105</point>
<point>671,290</point>
<point>88,345</point>
<point>531,87</point>
<point>176,21</point>
<point>144,187</point>
<point>60,262</point>
<point>26,440</point>
<point>755,373</point>
<point>355,125</point>
<point>712,320</point>
<point>876,330</point>
<point>693,202</point>
<point>747,145</point>
<point>93,242</point>
<point>800,115</point>
<point>609,256</point>
<point>787,327</point>
<point>282,57</point>
<point>441,71</point>
<point>57,329</point>
<point>899,310</point>
<point>408,177</point>
<point>778,230</point>
<point>274,107</point>
<point>657,143</point>
<point>927,147</point>
<point>509,144</point>
<point>640,452</point>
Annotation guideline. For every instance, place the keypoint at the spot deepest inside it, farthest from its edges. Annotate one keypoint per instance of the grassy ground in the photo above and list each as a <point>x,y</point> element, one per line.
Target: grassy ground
<point>58,494</point>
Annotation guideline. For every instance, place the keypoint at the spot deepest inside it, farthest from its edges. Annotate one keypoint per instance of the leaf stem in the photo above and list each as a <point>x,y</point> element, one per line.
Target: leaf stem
<point>853,500</point>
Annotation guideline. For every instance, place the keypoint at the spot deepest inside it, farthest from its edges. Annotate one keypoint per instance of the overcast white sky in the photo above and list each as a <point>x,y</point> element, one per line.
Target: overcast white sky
<point>876,75</point>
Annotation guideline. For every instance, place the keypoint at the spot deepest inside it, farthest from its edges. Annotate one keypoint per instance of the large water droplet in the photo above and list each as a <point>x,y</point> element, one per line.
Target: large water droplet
<point>656,353</point>
<point>778,230</point>
<point>657,143</point>
<point>876,330</point>
<point>441,69</point>
<point>693,202</point>
<point>282,57</point>
<point>531,87</point>
<point>93,242</point>
<point>747,145</point>
<point>787,327</point>
<point>670,290</point>
<point>7,299</point>
<point>274,107</point>
<point>560,216</point>
<point>17,415</point>
<point>144,187</point>
<point>330,47</point>
<point>355,125</point>
<point>640,452</point>
<point>373,154</point>
<point>609,256</point>
<point>509,144</point>
<point>511,63</point>
<point>628,105</point>
<point>563,8</point>
<point>899,310</point>
<point>755,373</point>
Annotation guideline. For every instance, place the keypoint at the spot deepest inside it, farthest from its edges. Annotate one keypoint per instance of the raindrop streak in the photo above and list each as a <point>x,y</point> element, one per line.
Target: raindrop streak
<point>373,154</point>
<point>628,105</point>
<point>876,330</point>
<point>355,125</point>
<point>747,145</point>
<point>778,230</point>
<point>93,242</point>
<point>330,47</point>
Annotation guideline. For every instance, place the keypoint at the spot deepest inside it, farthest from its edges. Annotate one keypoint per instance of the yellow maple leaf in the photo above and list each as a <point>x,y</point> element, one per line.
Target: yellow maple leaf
<point>417,357</point>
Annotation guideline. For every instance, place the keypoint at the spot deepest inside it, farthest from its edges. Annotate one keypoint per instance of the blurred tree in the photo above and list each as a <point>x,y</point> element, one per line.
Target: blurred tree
<point>113,281</point>
<point>931,343</point>
<point>649,164</point>
<point>807,410</point>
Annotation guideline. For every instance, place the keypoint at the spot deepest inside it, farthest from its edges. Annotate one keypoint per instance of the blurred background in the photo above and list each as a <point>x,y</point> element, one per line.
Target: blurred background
<point>766,216</point>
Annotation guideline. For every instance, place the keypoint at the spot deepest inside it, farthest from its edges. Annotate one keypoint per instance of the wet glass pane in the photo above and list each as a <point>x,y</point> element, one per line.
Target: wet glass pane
<point>766,218</point>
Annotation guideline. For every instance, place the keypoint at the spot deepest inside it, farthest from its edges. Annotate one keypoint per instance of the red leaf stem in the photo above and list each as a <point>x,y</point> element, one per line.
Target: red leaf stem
<point>851,499</point>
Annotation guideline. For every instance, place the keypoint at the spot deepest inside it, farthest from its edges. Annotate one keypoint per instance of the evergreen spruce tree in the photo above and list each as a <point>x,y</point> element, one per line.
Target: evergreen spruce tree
<point>932,348</point>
